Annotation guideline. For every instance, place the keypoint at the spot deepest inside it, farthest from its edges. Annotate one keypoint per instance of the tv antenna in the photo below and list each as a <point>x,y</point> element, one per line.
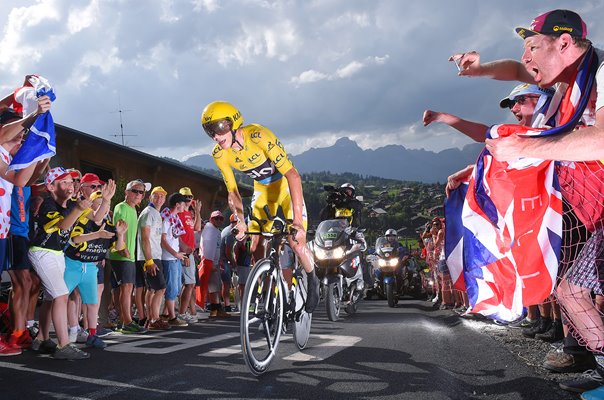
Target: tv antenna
<point>120,111</point>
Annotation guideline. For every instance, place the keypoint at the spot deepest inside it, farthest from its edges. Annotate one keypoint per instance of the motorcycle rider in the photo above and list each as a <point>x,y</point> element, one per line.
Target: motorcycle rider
<point>343,203</point>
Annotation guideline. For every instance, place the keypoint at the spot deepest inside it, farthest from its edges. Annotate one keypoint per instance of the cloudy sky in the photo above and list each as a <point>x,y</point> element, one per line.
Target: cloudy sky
<point>312,71</point>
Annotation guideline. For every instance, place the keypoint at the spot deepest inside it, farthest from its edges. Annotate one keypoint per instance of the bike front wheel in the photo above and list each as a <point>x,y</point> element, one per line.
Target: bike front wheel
<point>261,316</point>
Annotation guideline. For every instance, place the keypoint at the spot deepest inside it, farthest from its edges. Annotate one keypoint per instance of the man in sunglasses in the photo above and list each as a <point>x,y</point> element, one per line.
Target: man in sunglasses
<point>123,264</point>
<point>522,102</point>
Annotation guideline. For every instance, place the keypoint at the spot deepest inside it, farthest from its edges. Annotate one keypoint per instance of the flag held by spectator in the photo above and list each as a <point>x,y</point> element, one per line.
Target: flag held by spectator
<point>505,235</point>
<point>40,143</point>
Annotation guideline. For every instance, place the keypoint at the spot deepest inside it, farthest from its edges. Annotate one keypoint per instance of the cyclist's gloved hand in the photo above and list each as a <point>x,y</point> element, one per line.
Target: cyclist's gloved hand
<point>298,233</point>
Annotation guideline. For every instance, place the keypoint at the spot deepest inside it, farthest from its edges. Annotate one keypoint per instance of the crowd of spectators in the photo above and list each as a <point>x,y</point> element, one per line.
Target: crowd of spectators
<point>556,55</point>
<point>101,271</point>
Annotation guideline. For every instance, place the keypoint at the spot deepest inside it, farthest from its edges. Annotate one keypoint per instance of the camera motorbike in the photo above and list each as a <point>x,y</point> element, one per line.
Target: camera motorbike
<point>338,265</point>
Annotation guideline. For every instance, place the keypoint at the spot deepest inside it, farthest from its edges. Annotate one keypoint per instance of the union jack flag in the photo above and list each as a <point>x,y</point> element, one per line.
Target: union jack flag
<point>503,235</point>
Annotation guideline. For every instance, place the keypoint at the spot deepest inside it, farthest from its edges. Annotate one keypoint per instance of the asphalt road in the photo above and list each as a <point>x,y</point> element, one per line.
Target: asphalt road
<point>409,352</point>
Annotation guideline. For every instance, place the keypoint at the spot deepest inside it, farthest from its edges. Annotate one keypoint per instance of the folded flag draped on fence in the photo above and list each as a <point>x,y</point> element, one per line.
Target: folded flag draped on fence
<point>40,143</point>
<point>503,235</point>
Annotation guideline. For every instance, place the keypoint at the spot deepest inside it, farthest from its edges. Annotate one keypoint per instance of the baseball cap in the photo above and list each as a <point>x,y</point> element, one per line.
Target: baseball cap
<point>555,22</point>
<point>159,189</point>
<point>523,89</point>
<point>59,173</point>
<point>135,182</point>
<point>91,178</point>
<point>233,218</point>
<point>185,191</point>
<point>176,198</point>
<point>216,214</point>
<point>78,173</point>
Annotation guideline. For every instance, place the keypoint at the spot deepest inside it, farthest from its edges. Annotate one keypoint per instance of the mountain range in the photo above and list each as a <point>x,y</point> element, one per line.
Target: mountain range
<point>391,161</point>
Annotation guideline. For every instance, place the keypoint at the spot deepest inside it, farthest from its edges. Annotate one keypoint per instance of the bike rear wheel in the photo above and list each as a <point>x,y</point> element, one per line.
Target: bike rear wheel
<point>303,319</point>
<point>261,316</point>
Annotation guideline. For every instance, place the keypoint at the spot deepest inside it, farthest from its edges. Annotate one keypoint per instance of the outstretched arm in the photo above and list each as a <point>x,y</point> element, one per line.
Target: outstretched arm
<point>501,70</point>
<point>474,130</point>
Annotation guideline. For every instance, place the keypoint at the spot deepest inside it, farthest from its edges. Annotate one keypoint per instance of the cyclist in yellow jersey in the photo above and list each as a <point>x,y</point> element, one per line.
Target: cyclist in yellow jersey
<point>256,151</point>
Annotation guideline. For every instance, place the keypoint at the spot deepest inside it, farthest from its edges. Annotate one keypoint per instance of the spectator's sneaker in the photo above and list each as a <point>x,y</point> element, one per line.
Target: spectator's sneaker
<point>228,309</point>
<point>312,295</point>
<point>113,315</point>
<point>446,307</point>
<point>219,313</point>
<point>69,352</point>
<point>142,322</point>
<point>564,362</point>
<point>133,327</point>
<point>179,323</point>
<point>102,331</point>
<point>552,354</point>
<point>460,310</point>
<point>591,379</point>
<point>542,327</point>
<point>596,394</point>
<point>553,334</point>
<point>33,330</point>
<point>191,319</point>
<point>435,299</point>
<point>82,336</point>
<point>96,342</point>
<point>44,346</point>
<point>159,325</point>
<point>22,342</point>
<point>526,322</point>
<point>8,350</point>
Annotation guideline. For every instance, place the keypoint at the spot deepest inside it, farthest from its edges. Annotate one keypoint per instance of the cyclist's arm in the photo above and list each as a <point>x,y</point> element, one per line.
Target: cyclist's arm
<point>295,190</point>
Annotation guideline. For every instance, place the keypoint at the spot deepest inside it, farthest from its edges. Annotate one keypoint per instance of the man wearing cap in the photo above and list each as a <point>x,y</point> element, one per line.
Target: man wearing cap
<point>209,280</point>
<point>172,257</point>
<point>191,223</point>
<point>56,217</point>
<point>149,255</point>
<point>522,102</point>
<point>123,265</point>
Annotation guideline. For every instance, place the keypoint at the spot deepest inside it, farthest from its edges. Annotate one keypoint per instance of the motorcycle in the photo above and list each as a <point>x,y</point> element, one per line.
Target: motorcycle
<point>391,275</point>
<point>338,266</point>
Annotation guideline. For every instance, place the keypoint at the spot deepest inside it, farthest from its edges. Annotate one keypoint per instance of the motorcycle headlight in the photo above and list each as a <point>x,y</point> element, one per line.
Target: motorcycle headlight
<point>320,253</point>
<point>393,262</point>
<point>382,262</point>
<point>338,252</point>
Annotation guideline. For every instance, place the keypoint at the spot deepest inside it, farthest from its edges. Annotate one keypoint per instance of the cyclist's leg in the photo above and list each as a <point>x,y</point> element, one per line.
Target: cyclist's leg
<point>259,200</point>
<point>302,251</point>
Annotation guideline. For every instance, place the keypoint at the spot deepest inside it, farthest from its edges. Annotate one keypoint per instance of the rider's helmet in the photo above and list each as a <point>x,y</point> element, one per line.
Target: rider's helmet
<point>348,189</point>
<point>390,232</point>
<point>220,117</point>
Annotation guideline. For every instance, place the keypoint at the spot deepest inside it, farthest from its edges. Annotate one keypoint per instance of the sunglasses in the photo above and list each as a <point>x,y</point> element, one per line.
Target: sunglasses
<point>521,100</point>
<point>217,128</point>
<point>136,191</point>
<point>94,187</point>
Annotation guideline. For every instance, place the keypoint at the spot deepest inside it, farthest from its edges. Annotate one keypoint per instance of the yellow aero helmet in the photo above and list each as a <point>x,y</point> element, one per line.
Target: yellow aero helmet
<point>220,116</point>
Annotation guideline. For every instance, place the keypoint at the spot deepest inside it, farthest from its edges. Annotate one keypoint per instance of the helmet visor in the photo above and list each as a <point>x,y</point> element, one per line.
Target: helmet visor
<point>217,128</point>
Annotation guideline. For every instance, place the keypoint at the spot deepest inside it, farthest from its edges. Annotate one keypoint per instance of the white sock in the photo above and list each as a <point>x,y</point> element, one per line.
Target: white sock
<point>30,323</point>
<point>73,330</point>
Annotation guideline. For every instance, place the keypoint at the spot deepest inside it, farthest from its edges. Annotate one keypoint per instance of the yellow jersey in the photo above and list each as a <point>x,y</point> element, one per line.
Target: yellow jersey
<point>263,158</point>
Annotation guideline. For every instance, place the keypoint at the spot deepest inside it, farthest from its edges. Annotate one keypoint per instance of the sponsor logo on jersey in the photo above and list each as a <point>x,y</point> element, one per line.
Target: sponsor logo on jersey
<point>254,158</point>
